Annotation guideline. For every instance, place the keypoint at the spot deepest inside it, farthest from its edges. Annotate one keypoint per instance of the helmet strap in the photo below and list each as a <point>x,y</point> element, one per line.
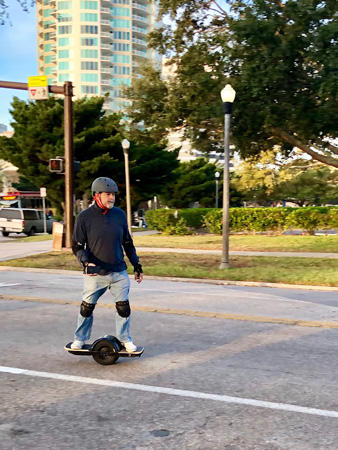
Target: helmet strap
<point>97,198</point>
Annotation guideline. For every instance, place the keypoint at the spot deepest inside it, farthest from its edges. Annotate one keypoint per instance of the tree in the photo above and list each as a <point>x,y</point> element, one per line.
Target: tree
<point>271,178</point>
<point>39,136</point>
<point>4,12</point>
<point>307,185</point>
<point>279,55</point>
<point>194,182</point>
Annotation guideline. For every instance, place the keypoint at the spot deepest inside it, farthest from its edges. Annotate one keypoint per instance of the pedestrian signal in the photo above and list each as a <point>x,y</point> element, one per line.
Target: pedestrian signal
<point>56,165</point>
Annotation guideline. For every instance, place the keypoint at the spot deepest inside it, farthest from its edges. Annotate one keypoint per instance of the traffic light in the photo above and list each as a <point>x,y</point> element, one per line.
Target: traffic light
<point>56,165</point>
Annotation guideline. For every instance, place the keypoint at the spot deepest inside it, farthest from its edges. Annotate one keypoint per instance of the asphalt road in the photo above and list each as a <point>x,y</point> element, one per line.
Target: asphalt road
<point>238,383</point>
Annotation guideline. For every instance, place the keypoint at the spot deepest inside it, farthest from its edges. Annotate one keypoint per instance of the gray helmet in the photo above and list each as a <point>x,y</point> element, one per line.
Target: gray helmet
<point>103,184</point>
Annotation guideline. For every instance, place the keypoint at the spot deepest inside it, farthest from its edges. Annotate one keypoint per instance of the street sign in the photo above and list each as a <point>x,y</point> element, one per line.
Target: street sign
<point>43,192</point>
<point>38,88</point>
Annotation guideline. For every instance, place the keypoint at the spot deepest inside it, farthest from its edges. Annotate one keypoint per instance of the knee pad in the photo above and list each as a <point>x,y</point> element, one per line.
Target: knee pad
<point>87,309</point>
<point>123,308</point>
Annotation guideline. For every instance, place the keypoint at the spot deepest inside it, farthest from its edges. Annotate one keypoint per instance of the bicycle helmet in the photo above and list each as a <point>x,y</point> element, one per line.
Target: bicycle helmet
<point>103,184</point>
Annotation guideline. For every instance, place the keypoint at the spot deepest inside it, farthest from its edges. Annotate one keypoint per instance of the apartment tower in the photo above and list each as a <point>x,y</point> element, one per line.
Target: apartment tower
<point>96,44</point>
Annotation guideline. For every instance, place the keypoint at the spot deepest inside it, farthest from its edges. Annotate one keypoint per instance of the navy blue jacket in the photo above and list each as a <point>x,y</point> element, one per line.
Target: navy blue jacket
<point>102,238</point>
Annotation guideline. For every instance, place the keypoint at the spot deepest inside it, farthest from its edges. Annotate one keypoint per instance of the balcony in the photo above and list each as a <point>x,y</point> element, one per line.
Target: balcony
<point>105,23</point>
<point>105,11</point>
<point>138,18</point>
<point>51,25</point>
<point>105,71</point>
<point>140,7</point>
<point>142,42</point>
<point>139,30</point>
<point>143,54</point>
<point>51,35</point>
<point>106,48</point>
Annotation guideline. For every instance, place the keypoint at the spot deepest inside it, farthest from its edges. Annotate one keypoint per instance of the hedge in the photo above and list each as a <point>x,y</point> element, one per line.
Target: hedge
<point>243,219</point>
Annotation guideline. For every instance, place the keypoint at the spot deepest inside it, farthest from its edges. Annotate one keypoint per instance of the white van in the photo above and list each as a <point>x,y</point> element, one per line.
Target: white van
<point>24,220</point>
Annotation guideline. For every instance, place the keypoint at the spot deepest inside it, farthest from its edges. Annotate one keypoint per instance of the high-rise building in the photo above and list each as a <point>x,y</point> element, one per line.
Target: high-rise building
<point>96,44</point>
<point>3,128</point>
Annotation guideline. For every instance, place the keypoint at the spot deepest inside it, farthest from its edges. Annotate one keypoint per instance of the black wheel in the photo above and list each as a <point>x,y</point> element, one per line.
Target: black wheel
<point>31,232</point>
<point>5,233</point>
<point>106,352</point>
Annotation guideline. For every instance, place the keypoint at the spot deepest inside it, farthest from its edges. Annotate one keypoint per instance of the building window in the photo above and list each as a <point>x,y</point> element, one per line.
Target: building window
<point>47,24</point>
<point>48,36</point>
<point>120,11</point>
<point>93,77</point>
<point>121,82</point>
<point>64,77</point>
<point>63,42</point>
<point>64,65</point>
<point>65,5</point>
<point>120,47</point>
<point>89,65</point>
<point>65,29</point>
<point>121,2</point>
<point>49,59</point>
<point>121,58</point>
<point>90,29</point>
<point>46,13</point>
<point>47,47</point>
<point>89,17</point>
<point>122,35</point>
<point>90,42</point>
<point>85,53</point>
<point>65,17</point>
<point>63,53</point>
<point>121,23</point>
<point>121,70</point>
<point>49,70</point>
<point>117,93</point>
<point>89,89</point>
<point>88,4</point>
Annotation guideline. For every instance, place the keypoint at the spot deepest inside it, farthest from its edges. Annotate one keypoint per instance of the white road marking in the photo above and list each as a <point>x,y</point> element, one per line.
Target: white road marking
<point>175,392</point>
<point>9,284</point>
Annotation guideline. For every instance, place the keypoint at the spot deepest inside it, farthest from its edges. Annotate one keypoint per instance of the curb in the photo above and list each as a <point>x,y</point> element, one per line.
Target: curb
<point>185,280</point>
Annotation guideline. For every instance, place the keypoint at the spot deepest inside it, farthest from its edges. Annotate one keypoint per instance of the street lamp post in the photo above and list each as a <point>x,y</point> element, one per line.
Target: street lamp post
<point>126,146</point>
<point>228,96</point>
<point>217,174</point>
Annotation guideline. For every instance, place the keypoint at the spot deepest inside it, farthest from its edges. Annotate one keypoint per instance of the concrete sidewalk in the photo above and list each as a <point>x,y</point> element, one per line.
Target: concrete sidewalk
<point>239,253</point>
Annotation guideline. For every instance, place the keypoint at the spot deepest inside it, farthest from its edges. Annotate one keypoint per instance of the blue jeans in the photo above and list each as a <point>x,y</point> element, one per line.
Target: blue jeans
<point>118,284</point>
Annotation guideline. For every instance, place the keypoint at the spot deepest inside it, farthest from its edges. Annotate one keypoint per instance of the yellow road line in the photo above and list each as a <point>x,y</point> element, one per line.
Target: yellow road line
<point>186,312</point>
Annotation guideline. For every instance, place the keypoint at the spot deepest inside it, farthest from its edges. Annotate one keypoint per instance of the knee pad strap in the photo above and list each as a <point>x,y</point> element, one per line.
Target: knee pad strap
<point>87,309</point>
<point>123,308</point>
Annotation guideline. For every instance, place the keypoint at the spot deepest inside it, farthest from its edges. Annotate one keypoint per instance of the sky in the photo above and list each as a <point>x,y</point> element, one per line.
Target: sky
<point>18,55</point>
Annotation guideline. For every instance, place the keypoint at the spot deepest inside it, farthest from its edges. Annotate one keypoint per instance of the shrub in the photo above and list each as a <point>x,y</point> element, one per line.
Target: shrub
<point>245,219</point>
<point>179,229</point>
<point>160,219</point>
<point>213,221</point>
<point>309,219</point>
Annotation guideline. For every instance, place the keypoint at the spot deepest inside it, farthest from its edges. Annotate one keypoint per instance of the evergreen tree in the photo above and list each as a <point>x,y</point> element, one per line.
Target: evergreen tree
<point>39,136</point>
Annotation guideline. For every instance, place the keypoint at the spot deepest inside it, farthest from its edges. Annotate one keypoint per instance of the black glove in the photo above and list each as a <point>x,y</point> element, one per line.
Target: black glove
<point>138,269</point>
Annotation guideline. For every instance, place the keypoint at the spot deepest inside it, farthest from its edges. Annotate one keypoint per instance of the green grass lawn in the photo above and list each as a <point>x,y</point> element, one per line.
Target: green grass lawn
<point>307,271</point>
<point>266,243</point>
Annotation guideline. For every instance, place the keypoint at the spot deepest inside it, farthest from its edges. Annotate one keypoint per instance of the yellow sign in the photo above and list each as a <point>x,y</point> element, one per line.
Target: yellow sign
<point>40,81</point>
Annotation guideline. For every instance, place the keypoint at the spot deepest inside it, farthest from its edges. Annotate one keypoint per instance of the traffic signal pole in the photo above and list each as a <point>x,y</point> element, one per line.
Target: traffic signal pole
<point>67,91</point>
<point>69,160</point>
